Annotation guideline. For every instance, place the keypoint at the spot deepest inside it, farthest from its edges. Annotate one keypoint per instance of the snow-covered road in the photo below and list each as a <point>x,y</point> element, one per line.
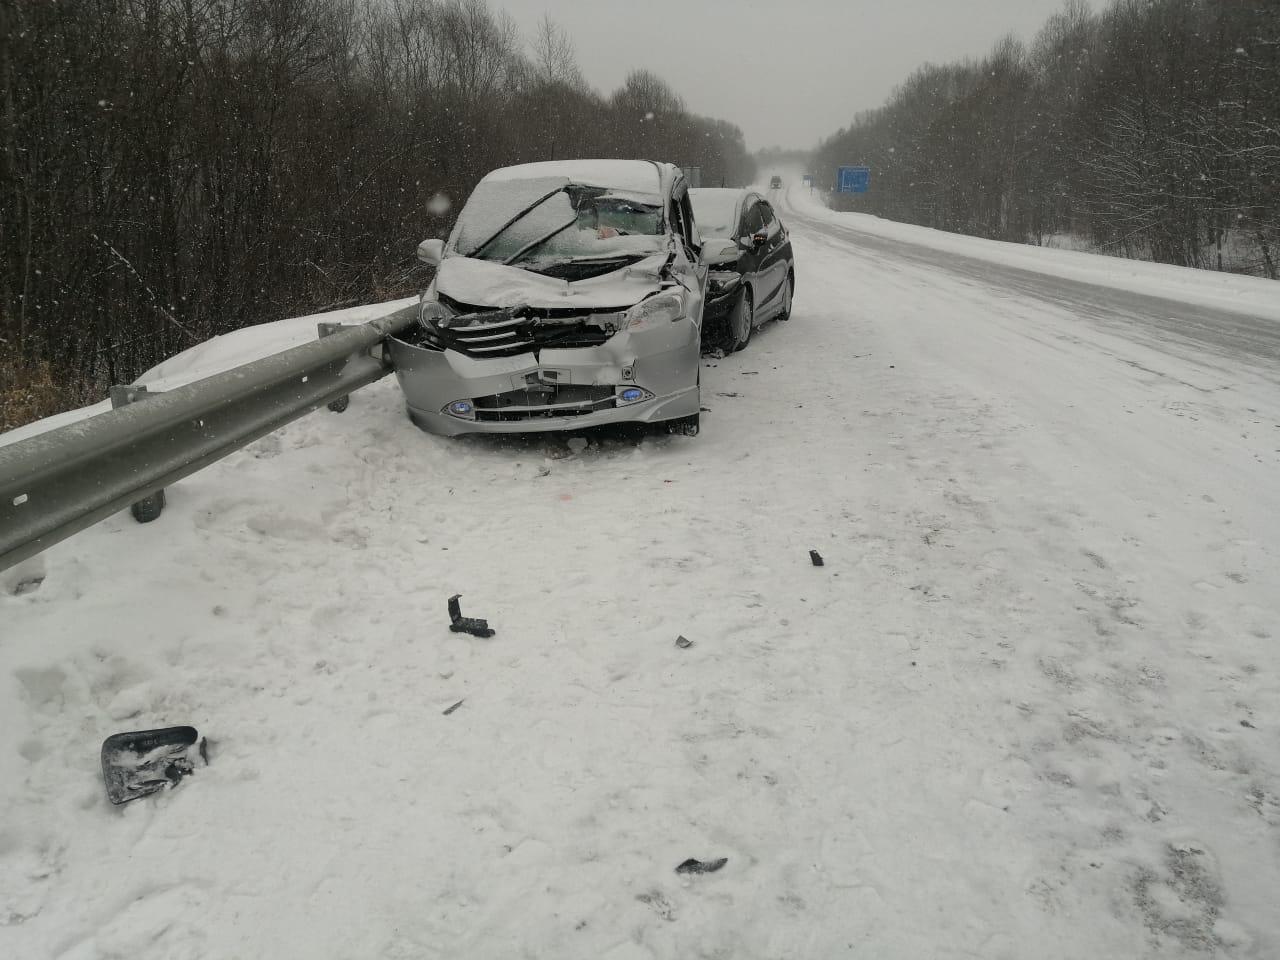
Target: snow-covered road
<point>1029,708</point>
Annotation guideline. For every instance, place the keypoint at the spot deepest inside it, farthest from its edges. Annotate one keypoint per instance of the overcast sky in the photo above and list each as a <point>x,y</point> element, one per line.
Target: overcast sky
<point>788,72</point>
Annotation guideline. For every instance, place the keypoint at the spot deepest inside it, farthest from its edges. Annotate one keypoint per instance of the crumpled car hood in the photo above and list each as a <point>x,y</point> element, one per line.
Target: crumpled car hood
<point>484,284</point>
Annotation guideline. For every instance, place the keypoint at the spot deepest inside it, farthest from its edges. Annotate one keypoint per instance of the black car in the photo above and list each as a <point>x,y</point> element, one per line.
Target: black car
<point>752,270</point>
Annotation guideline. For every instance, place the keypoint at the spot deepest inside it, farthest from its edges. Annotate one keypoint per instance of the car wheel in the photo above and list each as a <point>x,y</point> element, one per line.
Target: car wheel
<point>742,321</point>
<point>788,290</point>
<point>148,508</point>
<point>684,426</point>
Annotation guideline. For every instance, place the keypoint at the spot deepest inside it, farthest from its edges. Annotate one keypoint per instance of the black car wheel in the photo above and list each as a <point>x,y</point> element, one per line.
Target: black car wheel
<point>742,319</point>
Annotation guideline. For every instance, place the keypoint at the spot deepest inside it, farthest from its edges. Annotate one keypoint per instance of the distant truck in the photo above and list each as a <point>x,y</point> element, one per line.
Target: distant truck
<point>775,183</point>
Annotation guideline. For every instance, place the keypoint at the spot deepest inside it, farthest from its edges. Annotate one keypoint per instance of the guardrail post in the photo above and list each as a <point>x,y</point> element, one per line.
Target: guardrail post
<point>149,507</point>
<point>325,330</point>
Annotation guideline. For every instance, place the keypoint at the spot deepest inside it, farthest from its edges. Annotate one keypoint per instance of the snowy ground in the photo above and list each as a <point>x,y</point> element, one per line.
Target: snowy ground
<point>1029,708</point>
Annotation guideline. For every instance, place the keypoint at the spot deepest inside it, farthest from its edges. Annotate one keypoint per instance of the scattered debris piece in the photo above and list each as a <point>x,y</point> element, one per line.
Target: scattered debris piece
<point>460,624</point>
<point>544,470</point>
<point>727,393</point>
<point>455,706</point>
<point>701,866</point>
<point>750,373</point>
<point>1246,723</point>
<point>142,762</point>
<point>816,558</point>
<point>661,905</point>
<point>684,643</point>
<point>28,585</point>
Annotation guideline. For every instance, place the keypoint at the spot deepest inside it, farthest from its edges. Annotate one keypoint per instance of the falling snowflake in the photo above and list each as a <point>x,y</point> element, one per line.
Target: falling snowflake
<point>439,205</point>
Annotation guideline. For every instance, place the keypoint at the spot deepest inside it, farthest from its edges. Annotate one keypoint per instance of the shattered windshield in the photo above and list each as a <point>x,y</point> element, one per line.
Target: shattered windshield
<point>551,219</point>
<point>716,211</point>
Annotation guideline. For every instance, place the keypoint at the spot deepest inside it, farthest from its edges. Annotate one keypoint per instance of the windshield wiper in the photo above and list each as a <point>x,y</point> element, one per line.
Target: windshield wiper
<point>539,242</point>
<point>476,251</point>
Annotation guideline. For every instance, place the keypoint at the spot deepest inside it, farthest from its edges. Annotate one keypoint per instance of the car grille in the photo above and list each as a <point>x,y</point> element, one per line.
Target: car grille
<point>544,401</point>
<point>516,335</point>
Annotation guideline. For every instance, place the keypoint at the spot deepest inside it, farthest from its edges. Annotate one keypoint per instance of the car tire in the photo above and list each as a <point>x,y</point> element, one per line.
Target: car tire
<point>742,319</point>
<point>148,508</point>
<point>684,426</point>
<point>788,291</point>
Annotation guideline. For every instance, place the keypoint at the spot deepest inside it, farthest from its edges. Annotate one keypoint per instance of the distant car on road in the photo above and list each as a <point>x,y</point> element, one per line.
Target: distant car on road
<point>569,295</point>
<point>752,269</point>
<point>775,183</point>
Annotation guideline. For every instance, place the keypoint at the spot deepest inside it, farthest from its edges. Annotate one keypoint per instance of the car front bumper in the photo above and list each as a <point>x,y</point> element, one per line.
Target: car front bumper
<point>553,389</point>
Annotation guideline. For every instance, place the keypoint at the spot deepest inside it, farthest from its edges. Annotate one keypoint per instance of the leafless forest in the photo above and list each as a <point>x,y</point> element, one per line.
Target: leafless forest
<point>175,169</point>
<point>1150,129</point>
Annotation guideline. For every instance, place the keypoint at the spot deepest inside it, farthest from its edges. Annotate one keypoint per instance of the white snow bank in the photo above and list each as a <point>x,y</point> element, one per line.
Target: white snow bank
<point>1207,288</point>
<point>217,356</point>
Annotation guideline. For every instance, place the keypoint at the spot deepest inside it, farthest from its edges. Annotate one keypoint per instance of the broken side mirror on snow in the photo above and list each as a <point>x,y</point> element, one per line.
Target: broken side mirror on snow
<point>431,251</point>
<point>460,624</point>
<point>142,762</point>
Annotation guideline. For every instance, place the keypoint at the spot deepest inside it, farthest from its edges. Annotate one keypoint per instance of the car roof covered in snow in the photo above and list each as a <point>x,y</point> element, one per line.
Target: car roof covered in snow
<point>640,176</point>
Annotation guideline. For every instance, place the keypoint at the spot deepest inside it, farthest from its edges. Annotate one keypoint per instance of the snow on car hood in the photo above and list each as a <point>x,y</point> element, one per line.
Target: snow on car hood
<point>482,283</point>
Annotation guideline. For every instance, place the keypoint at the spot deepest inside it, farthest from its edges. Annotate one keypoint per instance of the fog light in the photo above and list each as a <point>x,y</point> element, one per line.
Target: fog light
<point>461,408</point>
<point>632,394</point>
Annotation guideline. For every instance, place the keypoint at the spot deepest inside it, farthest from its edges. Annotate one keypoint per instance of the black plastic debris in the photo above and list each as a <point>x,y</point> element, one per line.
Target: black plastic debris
<point>684,643</point>
<point>816,557</point>
<point>701,866</point>
<point>449,710</point>
<point>143,762</point>
<point>28,585</point>
<point>460,624</point>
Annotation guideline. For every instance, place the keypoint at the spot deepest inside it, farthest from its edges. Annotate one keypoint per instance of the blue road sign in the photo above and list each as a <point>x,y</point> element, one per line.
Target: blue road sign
<point>853,179</point>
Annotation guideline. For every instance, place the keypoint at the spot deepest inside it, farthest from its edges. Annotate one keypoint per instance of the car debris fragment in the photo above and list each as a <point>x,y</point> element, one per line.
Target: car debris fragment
<point>684,643</point>
<point>816,558</point>
<point>460,624</point>
<point>701,866</point>
<point>142,762</point>
<point>449,710</point>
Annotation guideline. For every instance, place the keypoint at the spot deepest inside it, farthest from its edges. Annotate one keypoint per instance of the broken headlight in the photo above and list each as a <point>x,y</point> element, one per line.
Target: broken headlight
<point>720,282</point>
<point>433,315</point>
<point>666,307</point>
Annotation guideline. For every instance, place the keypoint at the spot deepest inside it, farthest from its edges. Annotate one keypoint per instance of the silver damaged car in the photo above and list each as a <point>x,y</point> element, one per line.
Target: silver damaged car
<point>568,295</point>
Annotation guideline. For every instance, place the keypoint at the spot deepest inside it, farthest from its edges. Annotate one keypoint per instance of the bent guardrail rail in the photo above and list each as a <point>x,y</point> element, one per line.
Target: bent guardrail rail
<point>55,484</point>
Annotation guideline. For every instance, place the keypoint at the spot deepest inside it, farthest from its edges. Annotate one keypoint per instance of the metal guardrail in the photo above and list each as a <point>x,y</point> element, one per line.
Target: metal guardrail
<point>58,483</point>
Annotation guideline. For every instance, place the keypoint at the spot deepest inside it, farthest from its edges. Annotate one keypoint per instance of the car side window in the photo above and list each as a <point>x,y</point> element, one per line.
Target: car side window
<point>771,225</point>
<point>691,236</point>
<point>682,221</point>
<point>677,218</point>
